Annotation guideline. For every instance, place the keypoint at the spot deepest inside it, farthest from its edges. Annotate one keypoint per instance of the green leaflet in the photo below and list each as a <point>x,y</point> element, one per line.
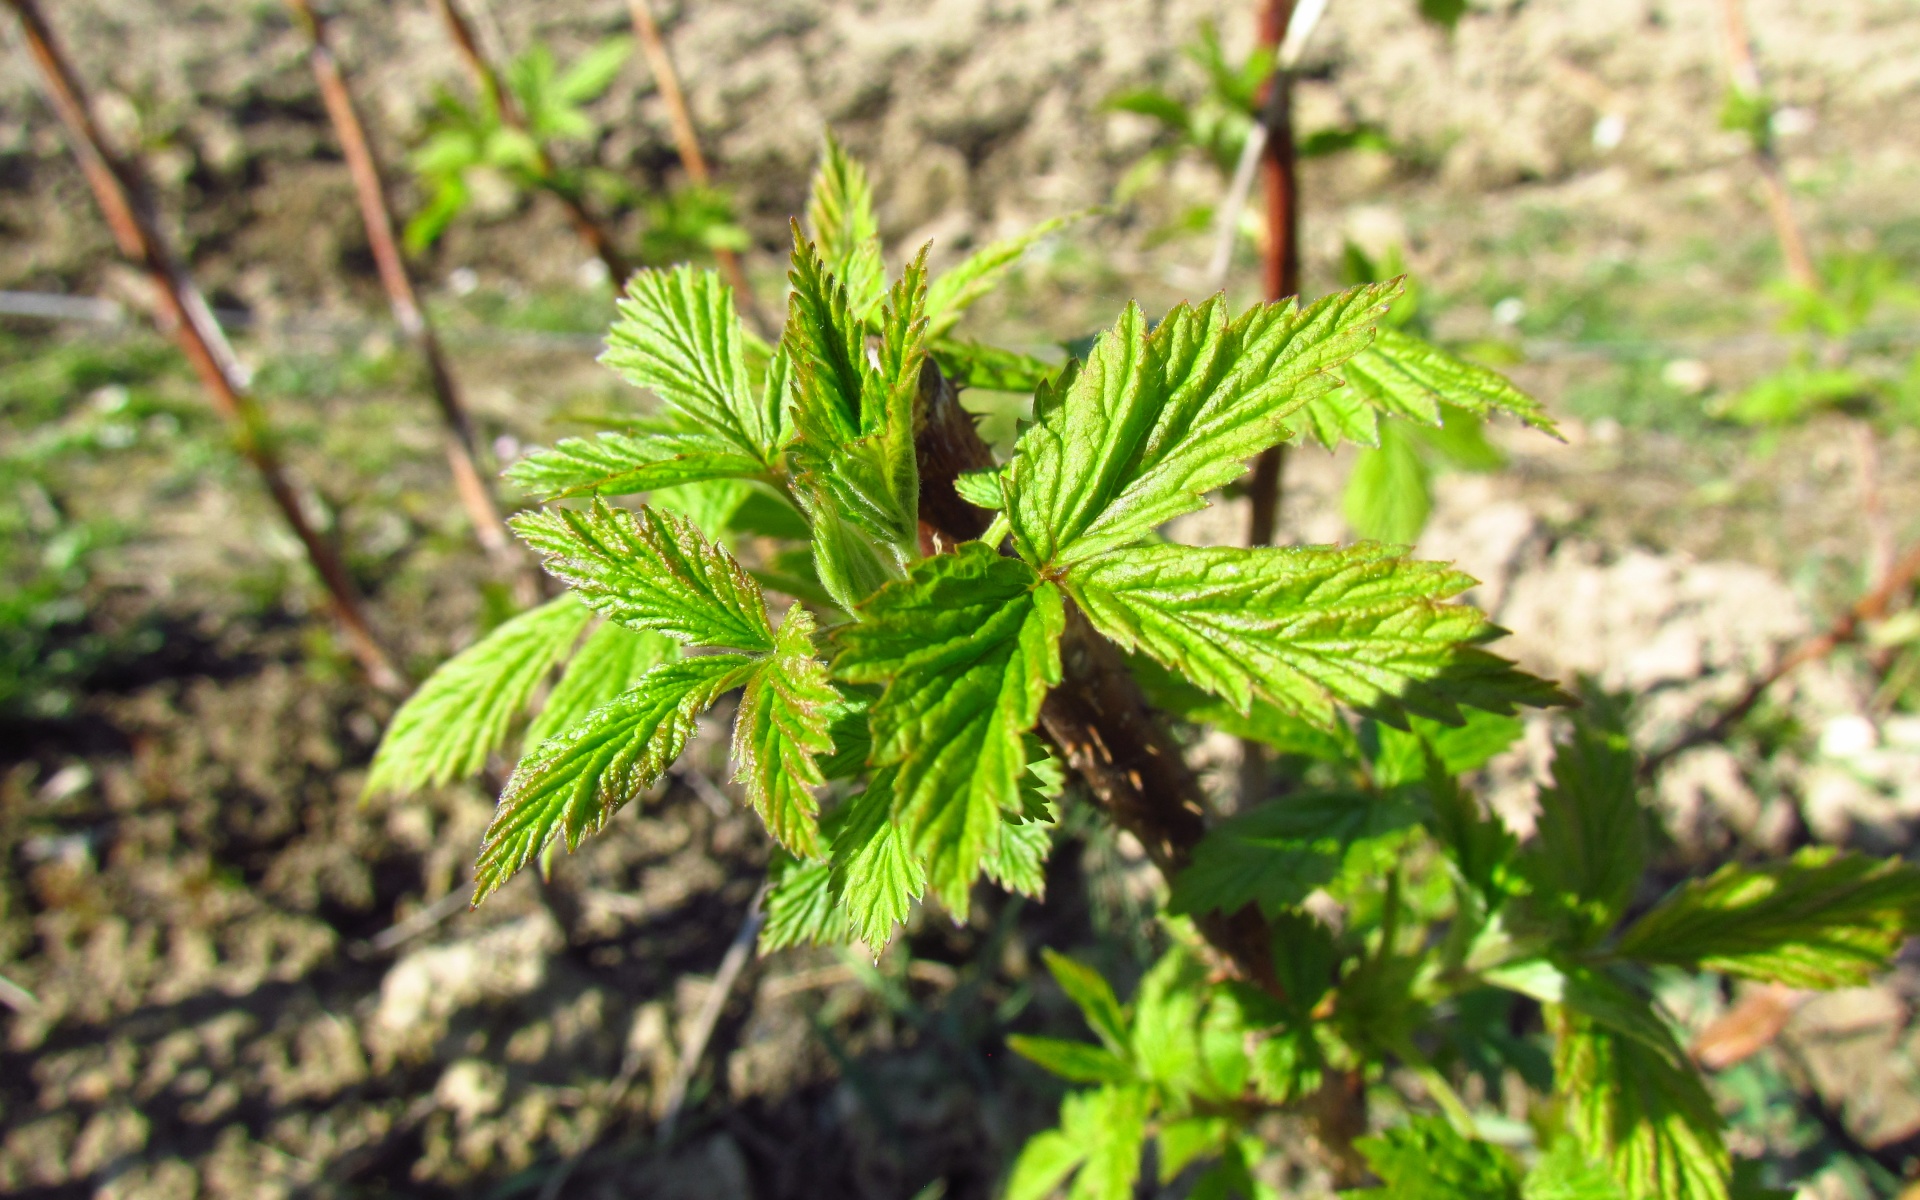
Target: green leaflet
<point>1565,1172</point>
<point>781,727</point>
<point>1426,1159</point>
<point>572,784</point>
<point>1156,420</point>
<point>1824,919</point>
<point>462,712</point>
<point>621,464</point>
<point>651,570</point>
<point>611,660</point>
<point>850,566</point>
<point>1274,855</point>
<point>1016,856</point>
<point>981,488</point>
<point>1093,995</point>
<point>1389,492</point>
<point>840,217</point>
<point>875,875</point>
<point>1590,843</point>
<point>854,453</point>
<point>1400,375</point>
<point>801,908</point>
<point>1099,1141</point>
<point>1644,1113</point>
<point>967,281</point>
<point>1305,628</point>
<point>677,336</point>
<point>968,645</point>
<point>1075,1062</point>
<point>989,368</point>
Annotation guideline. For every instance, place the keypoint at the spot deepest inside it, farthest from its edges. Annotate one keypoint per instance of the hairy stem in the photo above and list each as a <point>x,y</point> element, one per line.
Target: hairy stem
<point>463,456</point>
<point>183,313</point>
<point>486,77</point>
<point>1098,718</point>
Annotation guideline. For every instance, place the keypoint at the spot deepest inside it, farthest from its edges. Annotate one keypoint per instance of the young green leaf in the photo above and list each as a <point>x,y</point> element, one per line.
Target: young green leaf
<point>677,336</point>
<point>462,712</point>
<point>1590,843</point>
<point>840,218</point>
<point>622,464</point>
<point>968,645</point>
<point>1274,855</point>
<point>1100,1136</point>
<point>1565,1172</point>
<point>1090,991</point>
<point>1304,628</point>
<point>1427,1159</point>
<point>611,660</point>
<point>571,785</point>
<point>801,907</point>
<point>1075,1062</point>
<point>651,570</point>
<point>1157,419</point>
<point>978,366</point>
<point>1400,375</point>
<point>1824,919</point>
<point>781,727</point>
<point>1644,1113</point>
<point>958,288</point>
<point>1016,856</point>
<point>875,874</point>
<point>1389,492</point>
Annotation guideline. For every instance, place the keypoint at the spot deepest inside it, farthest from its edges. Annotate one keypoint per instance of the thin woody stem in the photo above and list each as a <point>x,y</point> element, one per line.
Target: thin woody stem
<point>182,312</point>
<point>487,79</point>
<point>1281,269</point>
<point>1743,74</point>
<point>686,140</point>
<point>463,456</point>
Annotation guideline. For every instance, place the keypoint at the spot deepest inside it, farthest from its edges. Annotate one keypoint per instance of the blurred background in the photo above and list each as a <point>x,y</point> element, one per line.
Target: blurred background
<point>223,974</point>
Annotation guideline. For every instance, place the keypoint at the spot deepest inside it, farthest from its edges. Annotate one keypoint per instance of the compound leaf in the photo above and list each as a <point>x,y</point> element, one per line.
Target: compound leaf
<point>677,336</point>
<point>779,731</point>
<point>621,464</point>
<point>1823,919</point>
<point>462,712</point>
<point>1305,628</point>
<point>968,645</point>
<point>611,660</point>
<point>1156,419</point>
<point>570,786</point>
<point>651,570</point>
<point>840,217</point>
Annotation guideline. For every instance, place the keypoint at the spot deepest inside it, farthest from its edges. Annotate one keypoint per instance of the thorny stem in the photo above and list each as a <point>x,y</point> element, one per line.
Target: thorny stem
<point>687,141</point>
<point>487,79</point>
<point>1743,73</point>
<point>183,313</point>
<point>1845,629</point>
<point>463,458</point>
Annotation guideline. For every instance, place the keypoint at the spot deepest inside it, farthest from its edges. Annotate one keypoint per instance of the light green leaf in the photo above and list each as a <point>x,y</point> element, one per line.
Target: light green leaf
<point>1427,1159</point>
<point>875,875</point>
<point>1045,1162</point>
<point>651,570</point>
<point>779,730</point>
<point>981,488</point>
<point>594,72</point>
<point>1157,419</point>
<point>801,907</point>
<point>572,785</point>
<point>840,218</point>
<point>855,420</point>
<point>1016,856</point>
<point>462,712</point>
<point>1113,1124</point>
<point>1565,1172</point>
<point>1276,854</point>
<point>968,645</point>
<point>1075,1062</point>
<point>677,335</point>
<point>850,566</point>
<point>1644,1113</point>
<point>990,368</point>
<point>956,290</point>
<point>1590,843</point>
<point>1305,628</point>
<point>1389,492</point>
<point>1090,991</point>
<point>611,660</point>
<point>1400,375</point>
<point>1263,722</point>
<point>1824,919</point>
<point>621,464</point>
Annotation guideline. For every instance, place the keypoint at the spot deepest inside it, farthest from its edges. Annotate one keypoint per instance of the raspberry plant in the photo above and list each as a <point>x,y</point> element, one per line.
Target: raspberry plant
<point>971,645</point>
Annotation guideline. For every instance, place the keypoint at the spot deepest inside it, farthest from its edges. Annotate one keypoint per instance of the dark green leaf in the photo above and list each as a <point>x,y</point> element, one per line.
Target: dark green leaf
<point>1426,1159</point>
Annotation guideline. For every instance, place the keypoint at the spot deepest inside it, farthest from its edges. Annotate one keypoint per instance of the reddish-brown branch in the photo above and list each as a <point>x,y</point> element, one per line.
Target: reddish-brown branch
<point>182,312</point>
<point>1743,74</point>
<point>487,79</point>
<point>653,47</point>
<point>1281,269</point>
<point>1845,629</point>
<point>463,457</point>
